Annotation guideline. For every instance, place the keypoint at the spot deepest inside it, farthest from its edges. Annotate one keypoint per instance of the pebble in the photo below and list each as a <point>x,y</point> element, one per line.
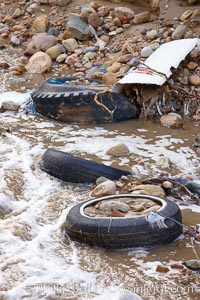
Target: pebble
<point>70,44</point>
<point>146,51</point>
<point>179,32</point>
<point>61,58</point>
<point>151,35</point>
<point>142,17</point>
<point>123,12</point>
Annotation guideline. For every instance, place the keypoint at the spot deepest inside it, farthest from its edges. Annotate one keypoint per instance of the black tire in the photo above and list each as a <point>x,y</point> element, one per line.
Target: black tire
<point>64,101</point>
<point>70,168</point>
<point>116,233</point>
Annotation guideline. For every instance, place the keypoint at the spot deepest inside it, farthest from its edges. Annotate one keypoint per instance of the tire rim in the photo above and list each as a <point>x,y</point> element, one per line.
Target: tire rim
<point>149,197</point>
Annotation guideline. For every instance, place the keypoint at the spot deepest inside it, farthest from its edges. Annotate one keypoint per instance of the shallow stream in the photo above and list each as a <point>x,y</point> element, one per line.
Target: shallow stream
<point>36,260</point>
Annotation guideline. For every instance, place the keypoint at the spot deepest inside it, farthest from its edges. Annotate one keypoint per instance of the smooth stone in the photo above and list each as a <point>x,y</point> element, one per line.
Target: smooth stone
<point>152,34</point>
<point>118,150</point>
<point>39,62</point>
<point>179,32</point>
<point>171,120</point>
<point>106,188</point>
<point>61,58</point>
<point>94,20</point>
<point>146,51</point>
<point>54,52</point>
<point>194,80</point>
<point>143,17</point>
<point>114,68</point>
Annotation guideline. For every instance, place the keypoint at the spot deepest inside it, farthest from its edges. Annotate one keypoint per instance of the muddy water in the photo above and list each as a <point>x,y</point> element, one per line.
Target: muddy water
<point>37,261</point>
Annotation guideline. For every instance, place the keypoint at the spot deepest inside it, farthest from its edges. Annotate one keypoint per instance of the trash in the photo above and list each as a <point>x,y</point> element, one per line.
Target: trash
<point>156,220</point>
<point>157,67</point>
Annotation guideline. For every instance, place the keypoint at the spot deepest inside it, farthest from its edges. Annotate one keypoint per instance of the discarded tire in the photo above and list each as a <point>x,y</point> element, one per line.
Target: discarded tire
<point>128,232</point>
<point>65,100</point>
<point>71,168</point>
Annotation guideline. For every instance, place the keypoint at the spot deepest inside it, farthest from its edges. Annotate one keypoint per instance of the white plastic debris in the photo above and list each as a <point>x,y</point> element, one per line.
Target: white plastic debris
<point>157,67</point>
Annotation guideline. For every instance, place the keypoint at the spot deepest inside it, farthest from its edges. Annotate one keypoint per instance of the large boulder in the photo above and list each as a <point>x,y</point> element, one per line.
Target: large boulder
<point>40,42</point>
<point>78,27</point>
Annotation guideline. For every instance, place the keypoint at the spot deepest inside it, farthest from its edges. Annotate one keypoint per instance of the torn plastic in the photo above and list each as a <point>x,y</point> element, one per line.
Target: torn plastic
<point>157,67</point>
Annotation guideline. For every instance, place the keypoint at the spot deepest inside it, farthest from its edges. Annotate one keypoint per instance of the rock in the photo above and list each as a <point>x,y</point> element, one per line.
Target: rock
<point>162,269</point>
<point>17,13</point>
<point>39,62</point>
<point>179,32</point>
<point>106,188</point>
<point>90,211</point>
<point>78,27</point>
<point>154,46</point>
<point>124,58</point>
<point>4,64</point>
<point>151,35</point>
<point>192,264</point>
<point>40,23</point>
<point>70,44</point>
<point>109,205</point>
<point>10,105</point>
<point>149,189</point>
<point>172,120</point>
<point>89,56</point>
<point>153,208</point>
<point>196,141</point>
<point>54,52</point>
<point>94,70</point>
<point>101,179</point>
<point>94,20</point>
<point>40,42</point>
<point>63,2</point>
<point>61,58</point>
<point>194,80</point>
<point>123,12</point>
<point>33,8</point>
<point>167,184</point>
<point>143,17</point>
<point>133,62</point>
<point>185,15</point>
<point>118,150</point>
<point>71,60</point>
<point>163,163</point>
<point>109,78</point>
<point>15,40</point>
<point>114,68</point>
<point>192,65</point>
<point>146,51</point>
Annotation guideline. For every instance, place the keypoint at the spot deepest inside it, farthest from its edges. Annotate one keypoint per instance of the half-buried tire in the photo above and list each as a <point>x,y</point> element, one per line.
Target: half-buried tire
<point>124,232</point>
<point>70,168</point>
<point>82,101</point>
